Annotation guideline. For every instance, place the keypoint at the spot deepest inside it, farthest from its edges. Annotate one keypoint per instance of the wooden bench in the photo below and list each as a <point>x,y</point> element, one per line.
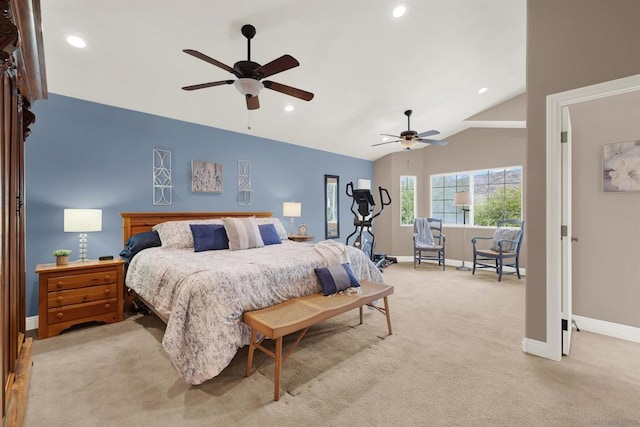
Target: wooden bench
<point>298,314</point>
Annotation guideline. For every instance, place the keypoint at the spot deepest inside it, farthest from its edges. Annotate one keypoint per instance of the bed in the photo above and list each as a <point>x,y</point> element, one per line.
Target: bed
<point>202,295</point>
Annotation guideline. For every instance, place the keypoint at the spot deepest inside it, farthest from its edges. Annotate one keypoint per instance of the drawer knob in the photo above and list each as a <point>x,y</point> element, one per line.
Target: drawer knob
<point>59,284</point>
<point>107,277</point>
<point>59,315</point>
<point>107,306</point>
<point>107,291</point>
<point>59,299</point>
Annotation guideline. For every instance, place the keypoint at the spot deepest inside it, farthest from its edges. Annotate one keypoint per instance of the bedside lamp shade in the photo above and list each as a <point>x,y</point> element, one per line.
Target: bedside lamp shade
<point>292,210</point>
<point>82,221</point>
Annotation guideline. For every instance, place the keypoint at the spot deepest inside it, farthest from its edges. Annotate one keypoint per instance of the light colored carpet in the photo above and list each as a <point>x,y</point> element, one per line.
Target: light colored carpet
<point>455,359</point>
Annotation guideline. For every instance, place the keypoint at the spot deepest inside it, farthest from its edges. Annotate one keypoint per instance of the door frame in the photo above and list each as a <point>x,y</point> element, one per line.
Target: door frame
<point>555,104</point>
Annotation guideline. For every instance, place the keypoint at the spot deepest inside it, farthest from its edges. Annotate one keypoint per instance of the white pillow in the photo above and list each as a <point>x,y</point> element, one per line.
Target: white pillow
<point>282,232</point>
<point>243,233</point>
<point>177,234</point>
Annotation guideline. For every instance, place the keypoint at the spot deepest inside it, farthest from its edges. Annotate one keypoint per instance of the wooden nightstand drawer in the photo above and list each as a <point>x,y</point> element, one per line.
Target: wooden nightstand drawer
<point>104,277</point>
<point>79,311</point>
<point>81,295</point>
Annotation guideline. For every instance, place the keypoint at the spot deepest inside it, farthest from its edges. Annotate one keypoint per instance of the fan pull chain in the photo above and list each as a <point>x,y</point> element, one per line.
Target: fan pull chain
<point>249,119</point>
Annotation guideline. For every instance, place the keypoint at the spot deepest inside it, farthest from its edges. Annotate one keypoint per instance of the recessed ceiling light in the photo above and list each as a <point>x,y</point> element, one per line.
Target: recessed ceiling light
<point>386,138</point>
<point>482,90</point>
<point>399,11</point>
<point>76,41</point>
<point>288,108</point>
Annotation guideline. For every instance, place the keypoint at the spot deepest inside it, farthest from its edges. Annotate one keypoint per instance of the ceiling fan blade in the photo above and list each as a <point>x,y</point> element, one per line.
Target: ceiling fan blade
<point>394,136</point>
<point>382,143</point>
<point>288,90</point>
<point>433,141</point>
<point>284,63</point>
<point>210,84</point>
<point>253,103</point>
<point>427,133</point>
<point>210,60</point>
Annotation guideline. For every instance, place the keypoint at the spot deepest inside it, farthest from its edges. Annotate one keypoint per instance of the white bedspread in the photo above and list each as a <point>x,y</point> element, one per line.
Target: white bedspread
<point>205,293</point>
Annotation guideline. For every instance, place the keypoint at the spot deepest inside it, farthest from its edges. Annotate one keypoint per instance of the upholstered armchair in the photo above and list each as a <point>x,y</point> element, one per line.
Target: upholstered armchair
<point>504,249</point>
<point>428,241</point>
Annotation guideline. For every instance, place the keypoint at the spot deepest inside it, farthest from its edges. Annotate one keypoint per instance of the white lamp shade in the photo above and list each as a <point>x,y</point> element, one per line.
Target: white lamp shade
<point>462,198</point>
<point>82,220</point>
<point>292,209</point>
<point>364,184</point>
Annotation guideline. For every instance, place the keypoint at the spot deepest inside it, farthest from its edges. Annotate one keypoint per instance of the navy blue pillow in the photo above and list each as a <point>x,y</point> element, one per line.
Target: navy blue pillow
<point>209,237</point>
<point>336,278</point>
<point>139,242</point>
<point>269,234</point>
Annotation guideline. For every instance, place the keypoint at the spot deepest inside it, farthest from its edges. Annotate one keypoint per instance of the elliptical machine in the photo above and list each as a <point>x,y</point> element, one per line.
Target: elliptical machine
<point>363,220</point>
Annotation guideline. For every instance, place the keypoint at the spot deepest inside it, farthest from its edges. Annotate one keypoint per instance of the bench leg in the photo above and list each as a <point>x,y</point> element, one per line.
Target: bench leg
<point>276,380</point>
<point>252,348</point>
<point>361,315</point>
<point>388,314</point>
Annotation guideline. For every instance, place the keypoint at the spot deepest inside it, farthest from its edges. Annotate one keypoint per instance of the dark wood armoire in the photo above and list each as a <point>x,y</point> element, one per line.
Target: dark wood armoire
<point>22,82</point>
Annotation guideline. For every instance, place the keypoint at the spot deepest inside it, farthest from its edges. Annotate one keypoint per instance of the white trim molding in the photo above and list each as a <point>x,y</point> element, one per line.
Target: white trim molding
<point>536,348</point>
<point>447,262</point>
<point>610,329</point>
<point>31,323</point>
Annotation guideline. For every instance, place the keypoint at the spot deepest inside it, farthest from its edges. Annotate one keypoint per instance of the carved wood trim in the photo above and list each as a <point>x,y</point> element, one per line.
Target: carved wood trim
<point>32,80</point>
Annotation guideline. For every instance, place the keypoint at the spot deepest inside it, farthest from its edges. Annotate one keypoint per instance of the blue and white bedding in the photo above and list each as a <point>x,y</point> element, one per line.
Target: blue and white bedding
<point>203,294</point>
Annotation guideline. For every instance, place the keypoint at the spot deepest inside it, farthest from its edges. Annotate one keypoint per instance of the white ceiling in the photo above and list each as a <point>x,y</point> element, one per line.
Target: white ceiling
<point>364,67</point>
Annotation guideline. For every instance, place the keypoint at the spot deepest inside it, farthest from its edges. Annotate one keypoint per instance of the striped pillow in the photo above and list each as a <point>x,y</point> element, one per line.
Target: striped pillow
<point>336,278</point>
<point>243,233</point>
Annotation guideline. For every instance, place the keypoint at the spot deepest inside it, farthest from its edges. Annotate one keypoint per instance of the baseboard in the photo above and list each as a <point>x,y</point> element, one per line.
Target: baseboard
<point>536,348</point>
<point>450,262</point>
<point>610,329</point>
<point>32,323</point>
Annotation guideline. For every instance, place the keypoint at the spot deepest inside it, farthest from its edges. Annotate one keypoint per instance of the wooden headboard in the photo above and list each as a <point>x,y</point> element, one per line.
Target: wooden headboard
<point>139,222</point>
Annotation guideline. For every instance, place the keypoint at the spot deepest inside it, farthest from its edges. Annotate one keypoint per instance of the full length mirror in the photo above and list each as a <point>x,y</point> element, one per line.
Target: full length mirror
<point>331,207</point>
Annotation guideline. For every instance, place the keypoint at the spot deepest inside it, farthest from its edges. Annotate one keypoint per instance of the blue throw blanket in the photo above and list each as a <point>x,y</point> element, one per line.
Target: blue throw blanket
<point>422,233</point>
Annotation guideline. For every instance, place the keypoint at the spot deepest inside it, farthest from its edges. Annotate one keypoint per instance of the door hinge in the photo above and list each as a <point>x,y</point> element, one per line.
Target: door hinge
<point>565,325</point>
<point>563,230</point>
<point>564,137</point>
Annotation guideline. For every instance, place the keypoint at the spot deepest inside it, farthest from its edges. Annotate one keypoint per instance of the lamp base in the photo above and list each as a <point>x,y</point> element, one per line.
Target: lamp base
<point>463,267</point>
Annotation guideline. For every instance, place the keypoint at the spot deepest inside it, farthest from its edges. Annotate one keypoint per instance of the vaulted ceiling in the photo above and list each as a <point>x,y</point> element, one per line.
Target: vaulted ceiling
<point>364,66</point>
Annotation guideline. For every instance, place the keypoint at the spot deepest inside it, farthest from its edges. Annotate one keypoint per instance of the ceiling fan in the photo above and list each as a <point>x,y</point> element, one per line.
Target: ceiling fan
<point>250,74</point>
<point>409,137</point>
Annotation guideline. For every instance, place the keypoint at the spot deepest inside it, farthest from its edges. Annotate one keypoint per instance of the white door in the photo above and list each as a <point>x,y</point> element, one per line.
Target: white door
<point>566,235</point>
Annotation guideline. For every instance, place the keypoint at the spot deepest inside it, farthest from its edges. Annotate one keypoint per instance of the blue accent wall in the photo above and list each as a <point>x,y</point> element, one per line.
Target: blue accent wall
<point>82,154</point>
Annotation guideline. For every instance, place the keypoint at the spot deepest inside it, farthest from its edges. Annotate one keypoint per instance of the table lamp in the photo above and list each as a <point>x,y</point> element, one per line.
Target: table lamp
<point>82,221</point>
<point>292,210</point>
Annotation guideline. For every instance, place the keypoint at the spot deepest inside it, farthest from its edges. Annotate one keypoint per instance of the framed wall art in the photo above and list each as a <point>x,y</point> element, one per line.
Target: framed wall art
<point>206,177</point>
<point>621,167</point>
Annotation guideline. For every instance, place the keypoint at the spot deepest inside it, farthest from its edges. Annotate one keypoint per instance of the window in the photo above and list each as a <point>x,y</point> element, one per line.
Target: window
<point>497,194</point>
<point>407,200</point>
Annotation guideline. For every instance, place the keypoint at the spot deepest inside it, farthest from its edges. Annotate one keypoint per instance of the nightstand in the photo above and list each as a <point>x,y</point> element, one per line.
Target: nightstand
<point>299,238</point>
<point>79,292</point>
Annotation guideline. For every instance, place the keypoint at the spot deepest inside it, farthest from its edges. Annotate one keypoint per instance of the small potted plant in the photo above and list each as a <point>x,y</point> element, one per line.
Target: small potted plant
<point>62,256</point>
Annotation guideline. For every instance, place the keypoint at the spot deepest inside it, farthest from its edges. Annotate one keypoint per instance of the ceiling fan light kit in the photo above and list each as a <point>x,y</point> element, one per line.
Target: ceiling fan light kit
<point>249,74</point>
<point>249,87</point>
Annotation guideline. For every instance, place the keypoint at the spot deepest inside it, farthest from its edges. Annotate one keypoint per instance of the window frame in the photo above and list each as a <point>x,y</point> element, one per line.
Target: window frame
<point>471,187</point>
<point>415,199</point>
